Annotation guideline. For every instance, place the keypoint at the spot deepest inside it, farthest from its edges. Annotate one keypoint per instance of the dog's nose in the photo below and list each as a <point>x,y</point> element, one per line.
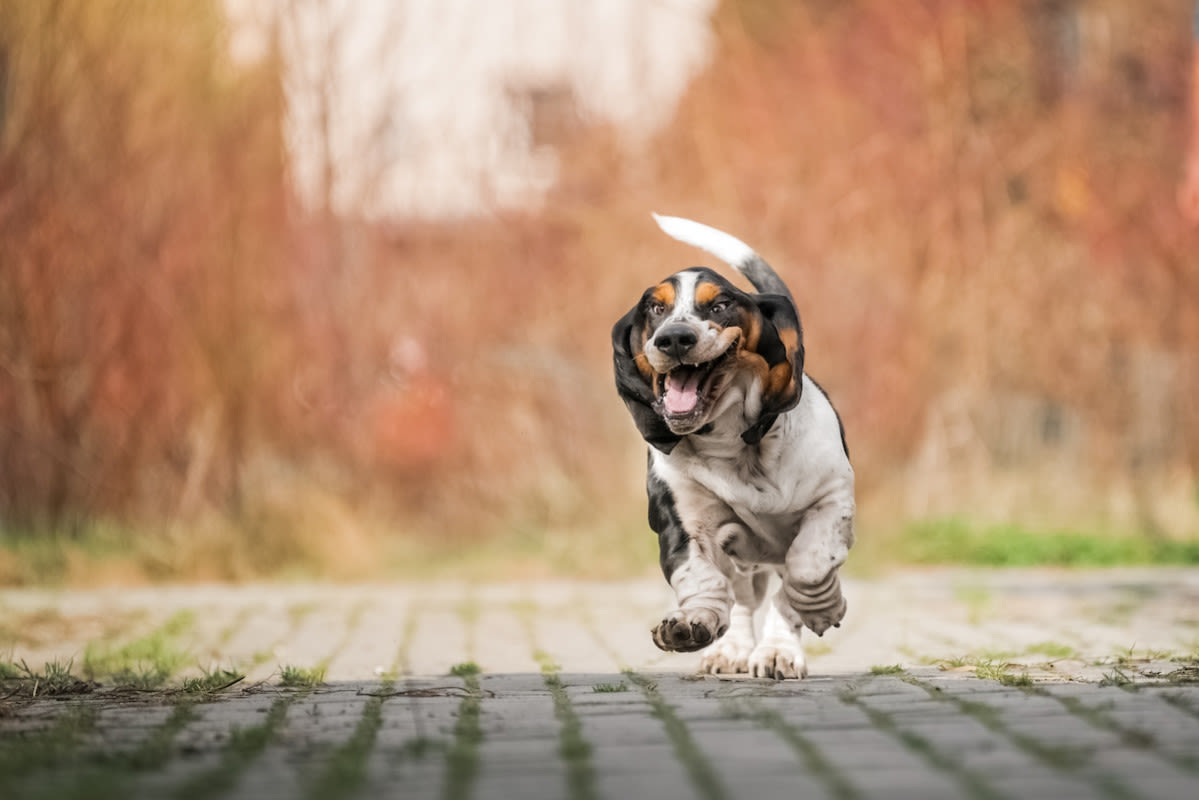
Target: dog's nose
<point>675,340</point>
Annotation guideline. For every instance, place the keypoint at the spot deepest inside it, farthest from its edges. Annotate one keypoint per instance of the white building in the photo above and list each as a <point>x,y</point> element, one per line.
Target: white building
<point>426,108</point>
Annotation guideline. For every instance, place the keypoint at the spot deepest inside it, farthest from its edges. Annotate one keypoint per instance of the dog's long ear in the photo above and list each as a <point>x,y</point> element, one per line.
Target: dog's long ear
<point>780,344</point>
<point>633,384</point>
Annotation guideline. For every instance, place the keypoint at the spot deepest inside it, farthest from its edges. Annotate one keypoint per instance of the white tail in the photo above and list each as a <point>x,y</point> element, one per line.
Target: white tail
<point>728,249</point>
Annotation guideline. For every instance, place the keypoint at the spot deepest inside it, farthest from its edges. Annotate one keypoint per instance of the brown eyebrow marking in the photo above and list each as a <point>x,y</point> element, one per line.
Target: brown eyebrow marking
<point>664,294</point>
<point>706,293</point>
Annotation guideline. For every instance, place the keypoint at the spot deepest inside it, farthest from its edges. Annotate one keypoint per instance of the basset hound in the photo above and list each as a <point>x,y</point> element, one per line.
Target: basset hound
<point>749,473</point>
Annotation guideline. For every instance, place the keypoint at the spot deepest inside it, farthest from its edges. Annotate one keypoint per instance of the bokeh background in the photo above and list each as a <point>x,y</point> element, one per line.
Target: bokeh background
<point>297,287</point>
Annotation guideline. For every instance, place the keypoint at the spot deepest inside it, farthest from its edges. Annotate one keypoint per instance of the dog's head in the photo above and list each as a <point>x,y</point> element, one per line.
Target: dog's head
<point>693,336</point>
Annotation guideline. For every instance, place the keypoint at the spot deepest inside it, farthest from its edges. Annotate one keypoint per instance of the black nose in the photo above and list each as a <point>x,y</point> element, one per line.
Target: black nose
<point>675,340</point>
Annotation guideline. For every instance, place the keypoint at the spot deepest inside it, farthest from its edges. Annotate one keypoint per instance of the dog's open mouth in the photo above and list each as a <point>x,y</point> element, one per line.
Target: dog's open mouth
<point>686,391</point>
<point>681,389</point>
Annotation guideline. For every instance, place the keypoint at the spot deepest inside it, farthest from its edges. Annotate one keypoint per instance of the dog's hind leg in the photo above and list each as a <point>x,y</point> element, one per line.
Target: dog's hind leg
<point>779,654</point>
<point>730,654</point>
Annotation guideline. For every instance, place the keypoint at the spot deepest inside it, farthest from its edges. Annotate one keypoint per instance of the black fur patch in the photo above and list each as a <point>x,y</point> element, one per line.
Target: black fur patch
<point>673,539</point>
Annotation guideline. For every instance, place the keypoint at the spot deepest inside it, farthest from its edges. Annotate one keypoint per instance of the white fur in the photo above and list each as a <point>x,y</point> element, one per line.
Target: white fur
<point>728,249</point>
<point>786,505</point>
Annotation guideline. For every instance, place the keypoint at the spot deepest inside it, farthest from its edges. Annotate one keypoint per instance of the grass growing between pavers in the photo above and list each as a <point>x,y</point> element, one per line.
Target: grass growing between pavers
<point>462,758</point>
<point>754,709</point>
<point>55,679</point>
<point>50,748</point>
<point>706,781</point>
<point>973,785</point>
<point>1063,758</point>
<point>107,776</point>
<point>243,747</point>
<point>294,677</point>
<point>1133,737</point>
<point>610,688</point>
<point>346,769</point>
<point>572,747</point>
<point>143,663</point>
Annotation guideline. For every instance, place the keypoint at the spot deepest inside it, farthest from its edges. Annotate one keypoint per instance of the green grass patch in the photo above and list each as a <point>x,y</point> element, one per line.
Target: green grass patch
<point>610,688</point>
<point>887,669</point>
<point>212,680</point>
<point>572,746</point>
<point>294,677</point>
<point>1057,756</point>
<point>1001,672</point>
<point>243,747</point>
<point>769,718</point>
<point>699,768</point>
<point>50,748</point>
<point>954,540</point>
<point>1052,650</point>
<point>973,785</point>
<point>55,679</point>
<point>465,669</point>
<point>346,769</point>
<point>462,758</point>
<point>144,663</point>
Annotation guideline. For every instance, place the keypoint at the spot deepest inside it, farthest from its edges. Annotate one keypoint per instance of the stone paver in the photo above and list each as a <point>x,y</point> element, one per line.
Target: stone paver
<point>941,683</point>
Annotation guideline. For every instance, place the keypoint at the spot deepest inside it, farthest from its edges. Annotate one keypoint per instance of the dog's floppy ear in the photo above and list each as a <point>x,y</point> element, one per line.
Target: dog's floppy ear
<point>633,384</point>
<point>780,344</point>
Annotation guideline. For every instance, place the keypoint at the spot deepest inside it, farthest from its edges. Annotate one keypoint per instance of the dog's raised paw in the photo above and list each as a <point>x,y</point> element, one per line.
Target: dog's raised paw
<point>688,631</point>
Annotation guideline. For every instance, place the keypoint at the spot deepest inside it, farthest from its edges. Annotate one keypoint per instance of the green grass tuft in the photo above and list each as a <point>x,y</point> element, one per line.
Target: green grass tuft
<point>953,540</point>
<point>887,669</point>
<point>144,663</point>
<point>465,669</point>
<point>54,680</point>
<point>1001,672</point>
<point>213,680</point>
<point>302,677</point>
<point>610,688</point>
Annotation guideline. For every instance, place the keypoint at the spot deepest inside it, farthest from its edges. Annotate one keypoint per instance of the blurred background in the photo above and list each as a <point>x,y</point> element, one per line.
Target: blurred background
<point>324,287</point>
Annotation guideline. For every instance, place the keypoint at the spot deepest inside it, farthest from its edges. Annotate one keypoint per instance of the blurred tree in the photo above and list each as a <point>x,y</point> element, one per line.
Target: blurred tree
<point>134,167</point>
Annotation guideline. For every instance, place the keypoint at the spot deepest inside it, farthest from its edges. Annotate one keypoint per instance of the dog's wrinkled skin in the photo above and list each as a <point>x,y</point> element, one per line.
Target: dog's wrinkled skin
<point>749,473</point>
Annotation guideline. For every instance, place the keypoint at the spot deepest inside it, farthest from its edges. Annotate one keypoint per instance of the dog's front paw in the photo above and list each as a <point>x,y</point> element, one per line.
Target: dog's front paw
<point>778,659</point>
<point>728,656</point>
<point>688,631</point>
<point>820,622</point>
<point>817,607</point>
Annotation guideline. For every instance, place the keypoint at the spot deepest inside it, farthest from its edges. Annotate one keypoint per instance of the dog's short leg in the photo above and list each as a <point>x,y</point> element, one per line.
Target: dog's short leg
<point>811,594</point>
<point>779,655</point>
<point>730,654</point>
<point>705,599</point>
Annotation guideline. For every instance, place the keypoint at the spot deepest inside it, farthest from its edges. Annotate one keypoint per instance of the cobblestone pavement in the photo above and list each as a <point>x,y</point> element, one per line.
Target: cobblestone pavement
<point>939,684</point>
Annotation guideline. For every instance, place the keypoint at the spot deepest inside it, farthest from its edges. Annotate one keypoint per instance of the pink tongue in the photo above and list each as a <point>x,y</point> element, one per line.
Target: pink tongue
<point>682,391</point>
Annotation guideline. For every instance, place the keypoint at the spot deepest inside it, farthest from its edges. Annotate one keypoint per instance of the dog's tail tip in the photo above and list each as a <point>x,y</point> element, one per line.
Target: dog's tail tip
<point>728,249</point>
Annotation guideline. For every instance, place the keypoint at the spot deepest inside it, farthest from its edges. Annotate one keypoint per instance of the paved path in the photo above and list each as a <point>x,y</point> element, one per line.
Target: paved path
<point>940,684</point>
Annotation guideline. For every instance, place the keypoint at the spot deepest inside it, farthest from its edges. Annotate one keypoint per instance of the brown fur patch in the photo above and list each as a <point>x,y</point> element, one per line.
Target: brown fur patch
<point>706,293</point>
<point>749,360</point>
<point>790,339</point>
<point>664,294</point>
<point>752,326</point>
<point>779,381</point>
<point>646,370</point>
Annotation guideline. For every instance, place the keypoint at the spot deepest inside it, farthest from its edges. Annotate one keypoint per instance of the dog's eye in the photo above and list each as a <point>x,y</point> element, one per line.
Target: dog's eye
<point>657,308</point>
<point>719,306</point>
